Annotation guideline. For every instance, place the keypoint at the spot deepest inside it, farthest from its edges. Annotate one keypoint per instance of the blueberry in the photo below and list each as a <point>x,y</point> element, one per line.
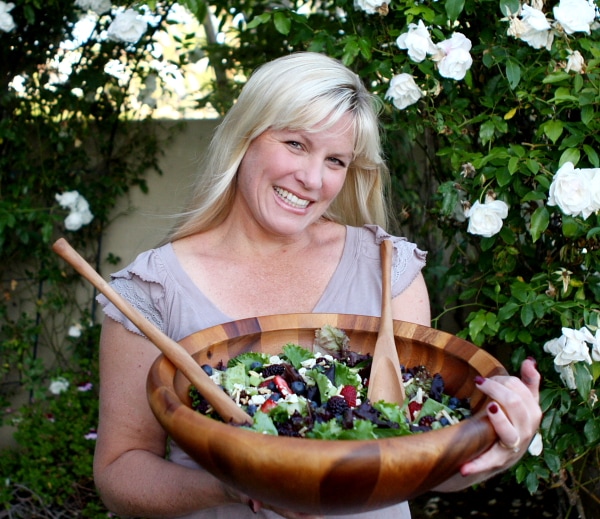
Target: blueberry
<point>255,365</point>
<point>298,387</point>
<point>275,397</point>
<point>444,421</point>
<point>251,409</point>
<point>207,369</point>
<point>453,403</point>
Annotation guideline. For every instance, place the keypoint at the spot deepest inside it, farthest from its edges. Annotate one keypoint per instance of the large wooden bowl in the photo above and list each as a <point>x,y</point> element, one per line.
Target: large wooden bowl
<point>320,476</point>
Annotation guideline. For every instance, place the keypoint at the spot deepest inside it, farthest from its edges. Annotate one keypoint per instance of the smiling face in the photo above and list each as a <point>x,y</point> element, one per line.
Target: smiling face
<point>288,178</point>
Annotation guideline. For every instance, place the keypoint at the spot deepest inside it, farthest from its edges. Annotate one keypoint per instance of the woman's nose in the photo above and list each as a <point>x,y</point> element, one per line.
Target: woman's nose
<point>310,174</point>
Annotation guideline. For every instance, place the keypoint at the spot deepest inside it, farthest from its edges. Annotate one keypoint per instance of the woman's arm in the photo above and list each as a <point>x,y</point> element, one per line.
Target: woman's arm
<point>130,471</point>
<point>412,305</point>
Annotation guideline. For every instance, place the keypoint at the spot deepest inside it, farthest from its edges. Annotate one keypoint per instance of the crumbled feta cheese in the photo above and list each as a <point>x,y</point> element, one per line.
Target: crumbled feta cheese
<point>258,399</point>
<point>274,359</point>
<point>419,395</point>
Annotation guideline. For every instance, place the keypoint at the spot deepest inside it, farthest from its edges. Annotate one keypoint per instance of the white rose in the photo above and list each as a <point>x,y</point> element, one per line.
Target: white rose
<point>403,91</point>
<point>98,6</point>
<point>7,23</point>
<point>567,375</point>
<point>535,18</point>
<point>68,199</point>
<point>575,15</point>
<point>453,56</point>
<point>486,219</point>
<point>592,176</point>
<point>417,41</point>
<point>369,6</point>
<point>74,331</point>
<point>570,191</point>
<point>535,29</point>
<point>575,63</point>
<point>575,348</point>
<point>536,446</point>
<point>128,26</point>
<point>79,208</point>
<point>555,346</point>
<point>58,386</point>
<point>596,347</point>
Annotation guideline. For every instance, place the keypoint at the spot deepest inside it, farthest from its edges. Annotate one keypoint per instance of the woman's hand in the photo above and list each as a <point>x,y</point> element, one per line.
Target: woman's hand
<point>515,414</point>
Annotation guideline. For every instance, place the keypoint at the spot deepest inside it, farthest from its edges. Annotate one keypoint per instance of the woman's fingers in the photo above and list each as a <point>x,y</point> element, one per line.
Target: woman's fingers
<point>515,415</point>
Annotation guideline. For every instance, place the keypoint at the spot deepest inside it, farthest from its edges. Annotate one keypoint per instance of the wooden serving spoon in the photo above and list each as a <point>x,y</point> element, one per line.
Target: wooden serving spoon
<point>228,410</point>
<point>385,382</point>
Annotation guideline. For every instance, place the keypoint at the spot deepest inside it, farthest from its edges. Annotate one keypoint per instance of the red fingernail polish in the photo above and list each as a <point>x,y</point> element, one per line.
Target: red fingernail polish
<point>533,360</point>
<point>479,380</point>
<point>493,408</point>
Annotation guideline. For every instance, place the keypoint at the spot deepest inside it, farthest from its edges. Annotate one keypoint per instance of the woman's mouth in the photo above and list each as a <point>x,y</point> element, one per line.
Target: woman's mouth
<point>291,199</point>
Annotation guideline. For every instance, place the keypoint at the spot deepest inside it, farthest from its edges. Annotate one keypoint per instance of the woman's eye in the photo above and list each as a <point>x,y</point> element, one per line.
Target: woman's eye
<point>337,162</point>
<point>295,144</point>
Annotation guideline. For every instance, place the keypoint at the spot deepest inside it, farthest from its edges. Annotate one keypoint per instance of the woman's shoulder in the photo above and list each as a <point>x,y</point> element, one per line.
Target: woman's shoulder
<point>150,265</point>
<point>408,259</point>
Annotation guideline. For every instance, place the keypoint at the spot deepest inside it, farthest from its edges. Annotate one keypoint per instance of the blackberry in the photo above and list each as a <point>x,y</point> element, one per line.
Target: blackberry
<point>426,421</point>
<point>337,405</point>
<point>272,370</point>
<point>287,429</point>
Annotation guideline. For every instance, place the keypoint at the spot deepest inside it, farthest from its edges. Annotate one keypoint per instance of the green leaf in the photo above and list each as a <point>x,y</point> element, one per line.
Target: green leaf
<point>258,20</point>
<point>527,314</point>
<point>507,311</point>
<point>513,73</point>
<point>569,155</point>
<point>539,222</point>
<point>486,131</point>
<point>553,129</point>
<point>587,114</point>
<point>583,379</point>
<point>454,8</point>
<point>570,227</point>
<point>282,22</point>
<point>509,7</point>
<point>592,155</point>
<point>592,431</point>
<point>555,77</point>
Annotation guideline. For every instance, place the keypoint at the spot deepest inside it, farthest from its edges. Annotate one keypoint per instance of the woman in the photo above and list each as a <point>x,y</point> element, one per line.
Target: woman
<point>287,217</point>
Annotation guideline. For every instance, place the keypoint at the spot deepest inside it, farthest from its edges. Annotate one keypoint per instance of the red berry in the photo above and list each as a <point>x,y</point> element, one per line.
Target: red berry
<point>414,408</point>
<point>268,405</point>
<point>349,393</point>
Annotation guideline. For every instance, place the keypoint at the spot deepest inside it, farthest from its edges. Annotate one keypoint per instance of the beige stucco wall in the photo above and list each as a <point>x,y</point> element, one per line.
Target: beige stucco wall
<point>142,219</point>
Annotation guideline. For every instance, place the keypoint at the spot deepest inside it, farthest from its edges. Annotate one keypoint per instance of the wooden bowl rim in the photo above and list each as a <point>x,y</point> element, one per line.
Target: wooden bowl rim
<point>272,323</point>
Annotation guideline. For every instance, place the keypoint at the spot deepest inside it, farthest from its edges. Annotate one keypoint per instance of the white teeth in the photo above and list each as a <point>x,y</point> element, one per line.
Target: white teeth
<point>291,199</point>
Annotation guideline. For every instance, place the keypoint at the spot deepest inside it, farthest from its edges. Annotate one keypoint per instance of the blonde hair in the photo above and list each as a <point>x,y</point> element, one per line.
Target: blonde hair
<point>299,91</point>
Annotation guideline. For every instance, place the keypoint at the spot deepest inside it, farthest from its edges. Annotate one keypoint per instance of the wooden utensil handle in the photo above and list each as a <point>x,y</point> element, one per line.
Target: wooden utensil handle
<point>387,325</point>
<point>225,406</point>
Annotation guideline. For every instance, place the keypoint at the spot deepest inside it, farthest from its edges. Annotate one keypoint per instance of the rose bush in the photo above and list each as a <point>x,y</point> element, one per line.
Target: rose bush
<point>505,101</point>
<point>74,138</point>
<point>505,113</point>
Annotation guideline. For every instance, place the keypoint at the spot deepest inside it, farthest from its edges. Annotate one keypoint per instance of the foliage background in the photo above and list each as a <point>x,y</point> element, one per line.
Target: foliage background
<point>504,130</point>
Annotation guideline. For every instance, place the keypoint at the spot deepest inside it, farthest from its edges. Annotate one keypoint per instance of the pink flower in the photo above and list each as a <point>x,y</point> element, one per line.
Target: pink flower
<point>91,435</point>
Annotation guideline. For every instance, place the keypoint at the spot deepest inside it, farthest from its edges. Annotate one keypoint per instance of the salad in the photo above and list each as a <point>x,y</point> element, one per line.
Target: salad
<point>322,394</point>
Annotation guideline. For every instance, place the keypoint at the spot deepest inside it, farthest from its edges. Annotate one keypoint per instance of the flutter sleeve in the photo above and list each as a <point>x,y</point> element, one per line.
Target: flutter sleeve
<point>408,259</point>
<point>142,284</point>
